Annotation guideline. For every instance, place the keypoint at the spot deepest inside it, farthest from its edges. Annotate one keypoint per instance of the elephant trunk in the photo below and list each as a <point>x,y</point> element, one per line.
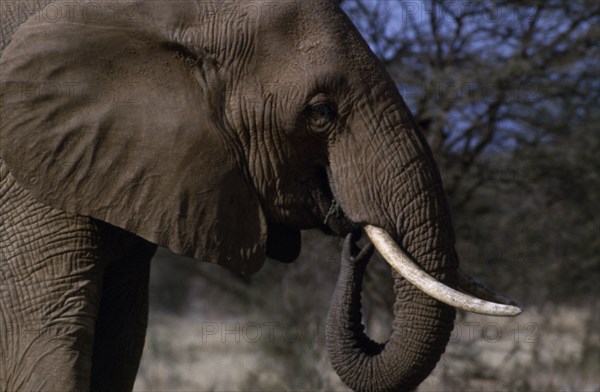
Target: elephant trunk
<point>421,330</point>
<point>393,189</point>
<point>401,192</point>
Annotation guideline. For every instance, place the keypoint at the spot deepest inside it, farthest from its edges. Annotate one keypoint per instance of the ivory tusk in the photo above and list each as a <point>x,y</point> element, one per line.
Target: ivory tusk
<point>474,286</point>
<point>403,264</point>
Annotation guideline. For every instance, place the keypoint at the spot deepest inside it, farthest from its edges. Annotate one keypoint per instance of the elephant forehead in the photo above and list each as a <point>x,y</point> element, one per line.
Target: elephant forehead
<point>310,35</point>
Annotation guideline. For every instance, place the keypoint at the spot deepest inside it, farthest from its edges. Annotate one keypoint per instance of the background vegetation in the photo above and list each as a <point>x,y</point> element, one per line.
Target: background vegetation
<point>507,93</point>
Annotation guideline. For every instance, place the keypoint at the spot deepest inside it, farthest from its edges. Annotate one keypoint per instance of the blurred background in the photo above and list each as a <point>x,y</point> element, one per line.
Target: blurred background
<point>508,95</point>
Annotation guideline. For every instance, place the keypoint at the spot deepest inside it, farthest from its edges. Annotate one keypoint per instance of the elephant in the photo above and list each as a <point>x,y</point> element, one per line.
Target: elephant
<point>219,130</point>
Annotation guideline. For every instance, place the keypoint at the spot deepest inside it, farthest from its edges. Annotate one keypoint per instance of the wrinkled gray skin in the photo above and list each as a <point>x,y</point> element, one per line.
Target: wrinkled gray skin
<point>249,120</point>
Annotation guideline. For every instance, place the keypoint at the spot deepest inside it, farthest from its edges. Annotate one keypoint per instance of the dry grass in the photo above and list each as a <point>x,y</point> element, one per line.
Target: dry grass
<point>556,349</point>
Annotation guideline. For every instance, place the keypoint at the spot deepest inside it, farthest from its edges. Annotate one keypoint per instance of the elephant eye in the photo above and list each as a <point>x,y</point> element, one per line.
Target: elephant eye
<point>321,116</point>
<point>324,110</point>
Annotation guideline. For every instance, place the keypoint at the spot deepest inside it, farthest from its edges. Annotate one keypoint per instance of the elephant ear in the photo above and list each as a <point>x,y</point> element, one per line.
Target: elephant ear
<point>118,124</point>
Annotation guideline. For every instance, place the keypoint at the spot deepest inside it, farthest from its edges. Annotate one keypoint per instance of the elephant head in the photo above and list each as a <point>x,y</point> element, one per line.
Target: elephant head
<point>221,129</point>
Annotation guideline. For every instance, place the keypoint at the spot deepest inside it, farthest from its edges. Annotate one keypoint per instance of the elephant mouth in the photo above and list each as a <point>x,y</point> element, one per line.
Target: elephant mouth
<point>333,220</point>
<point>284,241</point>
